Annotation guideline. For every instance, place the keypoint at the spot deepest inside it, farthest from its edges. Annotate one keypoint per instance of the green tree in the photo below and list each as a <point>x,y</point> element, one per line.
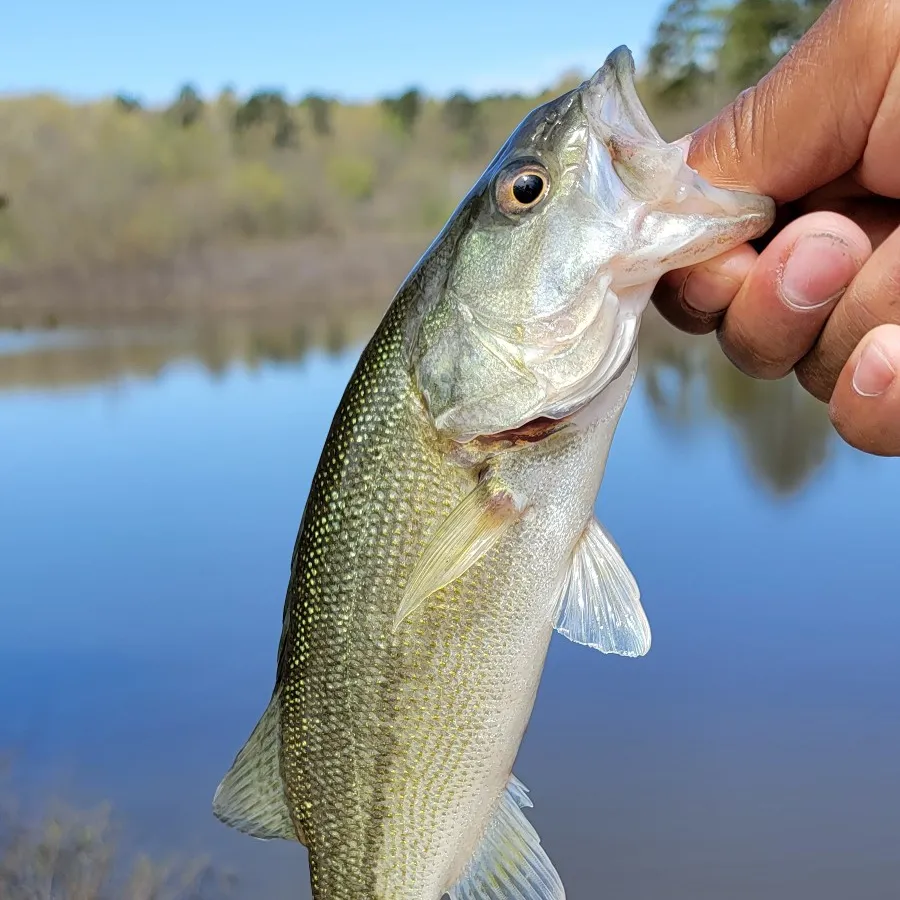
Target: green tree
<point>404,109</point>
<point>757,34</point>
<point>697,41</point>
<point>685,46</point>
<point>127,103</point>
<point>285,131</point>
<point>460,112</point>
<point>810,11</point>
<point>187,108</point>
<point>319,113</point>
<point>259,108</point>
<point>268,108</point>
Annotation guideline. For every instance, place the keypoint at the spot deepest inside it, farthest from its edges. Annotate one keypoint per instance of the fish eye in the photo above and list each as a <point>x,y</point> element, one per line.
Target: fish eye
<point>522,187</point>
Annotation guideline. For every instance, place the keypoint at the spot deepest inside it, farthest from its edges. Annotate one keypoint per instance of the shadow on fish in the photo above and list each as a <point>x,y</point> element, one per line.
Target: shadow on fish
<point>450,528</point>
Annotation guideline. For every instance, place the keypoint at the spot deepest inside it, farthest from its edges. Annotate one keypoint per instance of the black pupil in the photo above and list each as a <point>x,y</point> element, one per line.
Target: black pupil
<point>527,188</point>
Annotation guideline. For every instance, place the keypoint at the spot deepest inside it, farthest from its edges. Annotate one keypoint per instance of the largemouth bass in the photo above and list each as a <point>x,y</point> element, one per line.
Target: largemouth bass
<point>450,526</point>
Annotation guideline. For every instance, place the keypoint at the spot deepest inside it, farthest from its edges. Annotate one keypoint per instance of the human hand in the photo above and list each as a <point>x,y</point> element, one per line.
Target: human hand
<point>821,135</point>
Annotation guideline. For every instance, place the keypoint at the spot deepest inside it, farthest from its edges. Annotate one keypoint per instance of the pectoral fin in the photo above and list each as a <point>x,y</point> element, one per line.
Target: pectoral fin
<point>470,531</point>
<point>600,604</point>
<point>509,861</point>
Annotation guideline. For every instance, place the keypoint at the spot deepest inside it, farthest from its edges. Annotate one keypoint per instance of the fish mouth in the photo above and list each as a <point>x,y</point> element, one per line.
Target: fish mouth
<point>669,217</point>
<point>611,98</point>
<point>654,170</point>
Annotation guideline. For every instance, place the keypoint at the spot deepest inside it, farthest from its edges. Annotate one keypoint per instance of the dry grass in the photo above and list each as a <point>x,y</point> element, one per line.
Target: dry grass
<point>72,855</point>
<point>308,280</point>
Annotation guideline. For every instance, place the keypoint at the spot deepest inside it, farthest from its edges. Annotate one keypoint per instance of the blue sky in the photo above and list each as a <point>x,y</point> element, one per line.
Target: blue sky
<point>352,49</point>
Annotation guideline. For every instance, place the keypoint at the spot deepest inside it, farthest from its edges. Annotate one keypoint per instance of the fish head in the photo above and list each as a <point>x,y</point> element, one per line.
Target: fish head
<point>549,261</point>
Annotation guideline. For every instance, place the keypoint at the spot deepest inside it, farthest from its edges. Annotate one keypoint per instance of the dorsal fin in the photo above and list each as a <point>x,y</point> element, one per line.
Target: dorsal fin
<point>509,861</point>
<point>251,796</point>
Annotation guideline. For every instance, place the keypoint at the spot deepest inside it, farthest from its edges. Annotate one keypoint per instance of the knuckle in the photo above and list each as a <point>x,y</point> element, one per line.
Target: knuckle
<point>751,355</point>
<point>878,305</point>
<point>815,378</point>
<point>742,119</point>
<point>682,317</point>
<point>734,148</point>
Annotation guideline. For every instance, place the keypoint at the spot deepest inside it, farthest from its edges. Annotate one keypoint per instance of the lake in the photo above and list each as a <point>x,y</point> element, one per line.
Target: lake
<point>148,517</point>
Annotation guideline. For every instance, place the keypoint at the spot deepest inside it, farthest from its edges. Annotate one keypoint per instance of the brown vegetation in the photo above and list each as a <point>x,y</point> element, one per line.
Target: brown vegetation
<point>114,213</point>
<point>72,855</point>
<point>119,215</point>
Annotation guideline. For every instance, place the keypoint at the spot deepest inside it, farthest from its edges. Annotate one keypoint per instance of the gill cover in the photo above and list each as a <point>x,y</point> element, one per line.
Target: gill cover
<point>542,298</point>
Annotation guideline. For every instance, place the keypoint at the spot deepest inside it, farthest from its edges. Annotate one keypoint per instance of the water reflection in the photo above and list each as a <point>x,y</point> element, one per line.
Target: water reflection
<point>49,361</point>
<point>783,430</point>
<point>783,433</point>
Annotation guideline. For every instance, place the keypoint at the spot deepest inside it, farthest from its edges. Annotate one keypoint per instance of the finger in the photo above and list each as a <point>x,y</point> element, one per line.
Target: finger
<point>776,316</point>
<point>865,406</point>
<point>877,216</point>
<point>872,299</point>
<point>808,121</point>
<point>694,299</point>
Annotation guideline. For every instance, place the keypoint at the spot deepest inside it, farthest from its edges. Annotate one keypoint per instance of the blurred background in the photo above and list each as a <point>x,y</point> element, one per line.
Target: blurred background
<point>204,211</point>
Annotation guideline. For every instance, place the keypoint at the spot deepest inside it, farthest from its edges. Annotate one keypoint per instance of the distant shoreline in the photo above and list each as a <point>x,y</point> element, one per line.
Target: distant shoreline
<point>312,280</point>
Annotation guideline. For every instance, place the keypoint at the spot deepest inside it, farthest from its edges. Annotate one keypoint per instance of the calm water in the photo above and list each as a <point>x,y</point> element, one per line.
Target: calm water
<point>146,531</point>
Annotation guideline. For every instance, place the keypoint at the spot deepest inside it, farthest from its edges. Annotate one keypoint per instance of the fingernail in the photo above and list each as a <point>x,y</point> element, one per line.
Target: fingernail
<point>708,291</point>
<point>817,272</point>
<point>874,372</point>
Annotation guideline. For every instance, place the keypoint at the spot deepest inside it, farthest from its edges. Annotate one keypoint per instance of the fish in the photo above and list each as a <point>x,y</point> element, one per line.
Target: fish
<point>450,526</point>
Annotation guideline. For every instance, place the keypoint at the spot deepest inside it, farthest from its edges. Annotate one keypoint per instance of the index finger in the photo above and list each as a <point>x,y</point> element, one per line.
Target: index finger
<point>808,121</point>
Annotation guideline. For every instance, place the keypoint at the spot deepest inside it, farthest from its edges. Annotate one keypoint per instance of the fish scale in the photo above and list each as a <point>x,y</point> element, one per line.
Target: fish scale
<point>450,524</point>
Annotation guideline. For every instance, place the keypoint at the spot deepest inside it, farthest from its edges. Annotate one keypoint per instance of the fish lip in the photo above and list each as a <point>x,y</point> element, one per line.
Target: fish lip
<point>617,74</point>
<point>749,214</point>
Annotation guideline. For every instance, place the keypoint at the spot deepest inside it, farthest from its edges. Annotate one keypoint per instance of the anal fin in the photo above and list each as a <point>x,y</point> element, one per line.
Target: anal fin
<point>509,862</point>
<point>251,796</point>
<point>600,604</point>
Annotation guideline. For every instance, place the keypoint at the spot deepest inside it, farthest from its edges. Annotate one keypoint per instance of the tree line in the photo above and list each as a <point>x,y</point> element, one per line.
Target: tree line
<point>697,44</point>
<point>700,45</point>
<point>114,181</point>
<point>271,107</point>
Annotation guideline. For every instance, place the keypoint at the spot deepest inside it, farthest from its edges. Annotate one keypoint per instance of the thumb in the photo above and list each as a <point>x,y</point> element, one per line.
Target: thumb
<point>808,121</point>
